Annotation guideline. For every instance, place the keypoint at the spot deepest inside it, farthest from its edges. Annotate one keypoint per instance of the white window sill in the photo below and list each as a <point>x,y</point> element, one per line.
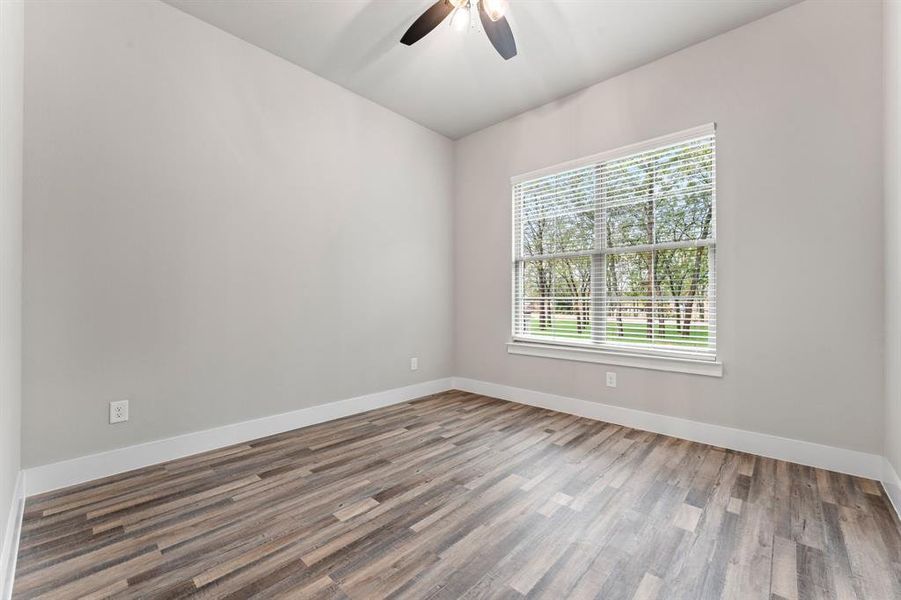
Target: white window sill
<point>710,368</point>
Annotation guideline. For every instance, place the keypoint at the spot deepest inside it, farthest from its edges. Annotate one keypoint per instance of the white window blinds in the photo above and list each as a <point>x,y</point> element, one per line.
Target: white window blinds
<point>617,251</point>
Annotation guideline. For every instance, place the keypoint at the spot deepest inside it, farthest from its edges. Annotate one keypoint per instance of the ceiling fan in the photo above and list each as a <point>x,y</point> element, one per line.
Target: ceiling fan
<point>491,14</point>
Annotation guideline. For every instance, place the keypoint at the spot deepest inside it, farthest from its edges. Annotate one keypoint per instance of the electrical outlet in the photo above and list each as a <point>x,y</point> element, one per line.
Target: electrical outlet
<point>118,411</point>
<point>414,363</point>
<point>611,379</point>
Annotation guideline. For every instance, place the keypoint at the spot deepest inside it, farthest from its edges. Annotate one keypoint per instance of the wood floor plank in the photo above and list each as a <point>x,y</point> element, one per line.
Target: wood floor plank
<point>458,495</point>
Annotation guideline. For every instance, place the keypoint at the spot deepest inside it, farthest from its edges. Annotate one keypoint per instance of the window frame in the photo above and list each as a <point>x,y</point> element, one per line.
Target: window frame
<point>596,351</point>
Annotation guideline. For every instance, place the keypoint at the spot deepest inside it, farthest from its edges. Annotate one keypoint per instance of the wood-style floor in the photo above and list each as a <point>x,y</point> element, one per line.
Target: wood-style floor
<point>462,496</point>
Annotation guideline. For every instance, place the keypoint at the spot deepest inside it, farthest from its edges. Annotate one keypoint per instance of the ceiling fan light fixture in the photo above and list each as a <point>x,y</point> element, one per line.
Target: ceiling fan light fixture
<point>466,14</point>
<point>495,9</point>
<point>460,20</point>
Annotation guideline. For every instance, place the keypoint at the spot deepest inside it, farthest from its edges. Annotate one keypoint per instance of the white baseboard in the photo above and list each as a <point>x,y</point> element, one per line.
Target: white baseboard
<point>851,462</point>
<point>891,483</point>
<point>10,548</point>
<point>62,474</point>
<point>79,470</point>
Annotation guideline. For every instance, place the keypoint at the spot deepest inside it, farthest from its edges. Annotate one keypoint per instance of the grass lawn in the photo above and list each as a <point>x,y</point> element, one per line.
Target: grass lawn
<point>635,333</point>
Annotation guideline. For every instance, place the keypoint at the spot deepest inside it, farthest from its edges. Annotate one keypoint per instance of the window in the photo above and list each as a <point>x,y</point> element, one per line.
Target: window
<point>616,252</point>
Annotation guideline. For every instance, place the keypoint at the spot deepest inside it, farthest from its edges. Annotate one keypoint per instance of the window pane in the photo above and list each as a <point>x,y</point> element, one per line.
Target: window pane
<point>629,224</point>
<point>627,180</point>
<point>566,233</point>
<point>676,312</point>
<point>684,217</point>
<point>555,195</point>
<point>684,194</point>
<point>556,300</point>
<point>628,304</point>
<point>683,311</point>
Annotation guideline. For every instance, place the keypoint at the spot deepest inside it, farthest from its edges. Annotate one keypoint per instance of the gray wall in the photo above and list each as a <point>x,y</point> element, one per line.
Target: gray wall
<point>797,98</point>
<point>892,66</point>
<point>11,61</point>
<point>214,233</point>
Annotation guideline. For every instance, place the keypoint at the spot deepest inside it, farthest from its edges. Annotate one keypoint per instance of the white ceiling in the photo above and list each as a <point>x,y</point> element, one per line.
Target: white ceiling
<point>456,83</point>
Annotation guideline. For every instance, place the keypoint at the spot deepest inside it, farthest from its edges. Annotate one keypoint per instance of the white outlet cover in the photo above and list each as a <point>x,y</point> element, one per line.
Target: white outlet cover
<point>414,363</point>
<point>611,379</point>
<point>118,411</point>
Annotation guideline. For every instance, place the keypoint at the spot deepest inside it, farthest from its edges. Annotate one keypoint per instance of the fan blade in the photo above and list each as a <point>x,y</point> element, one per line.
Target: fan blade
<point>499,33</point>
<point>426,22</point>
